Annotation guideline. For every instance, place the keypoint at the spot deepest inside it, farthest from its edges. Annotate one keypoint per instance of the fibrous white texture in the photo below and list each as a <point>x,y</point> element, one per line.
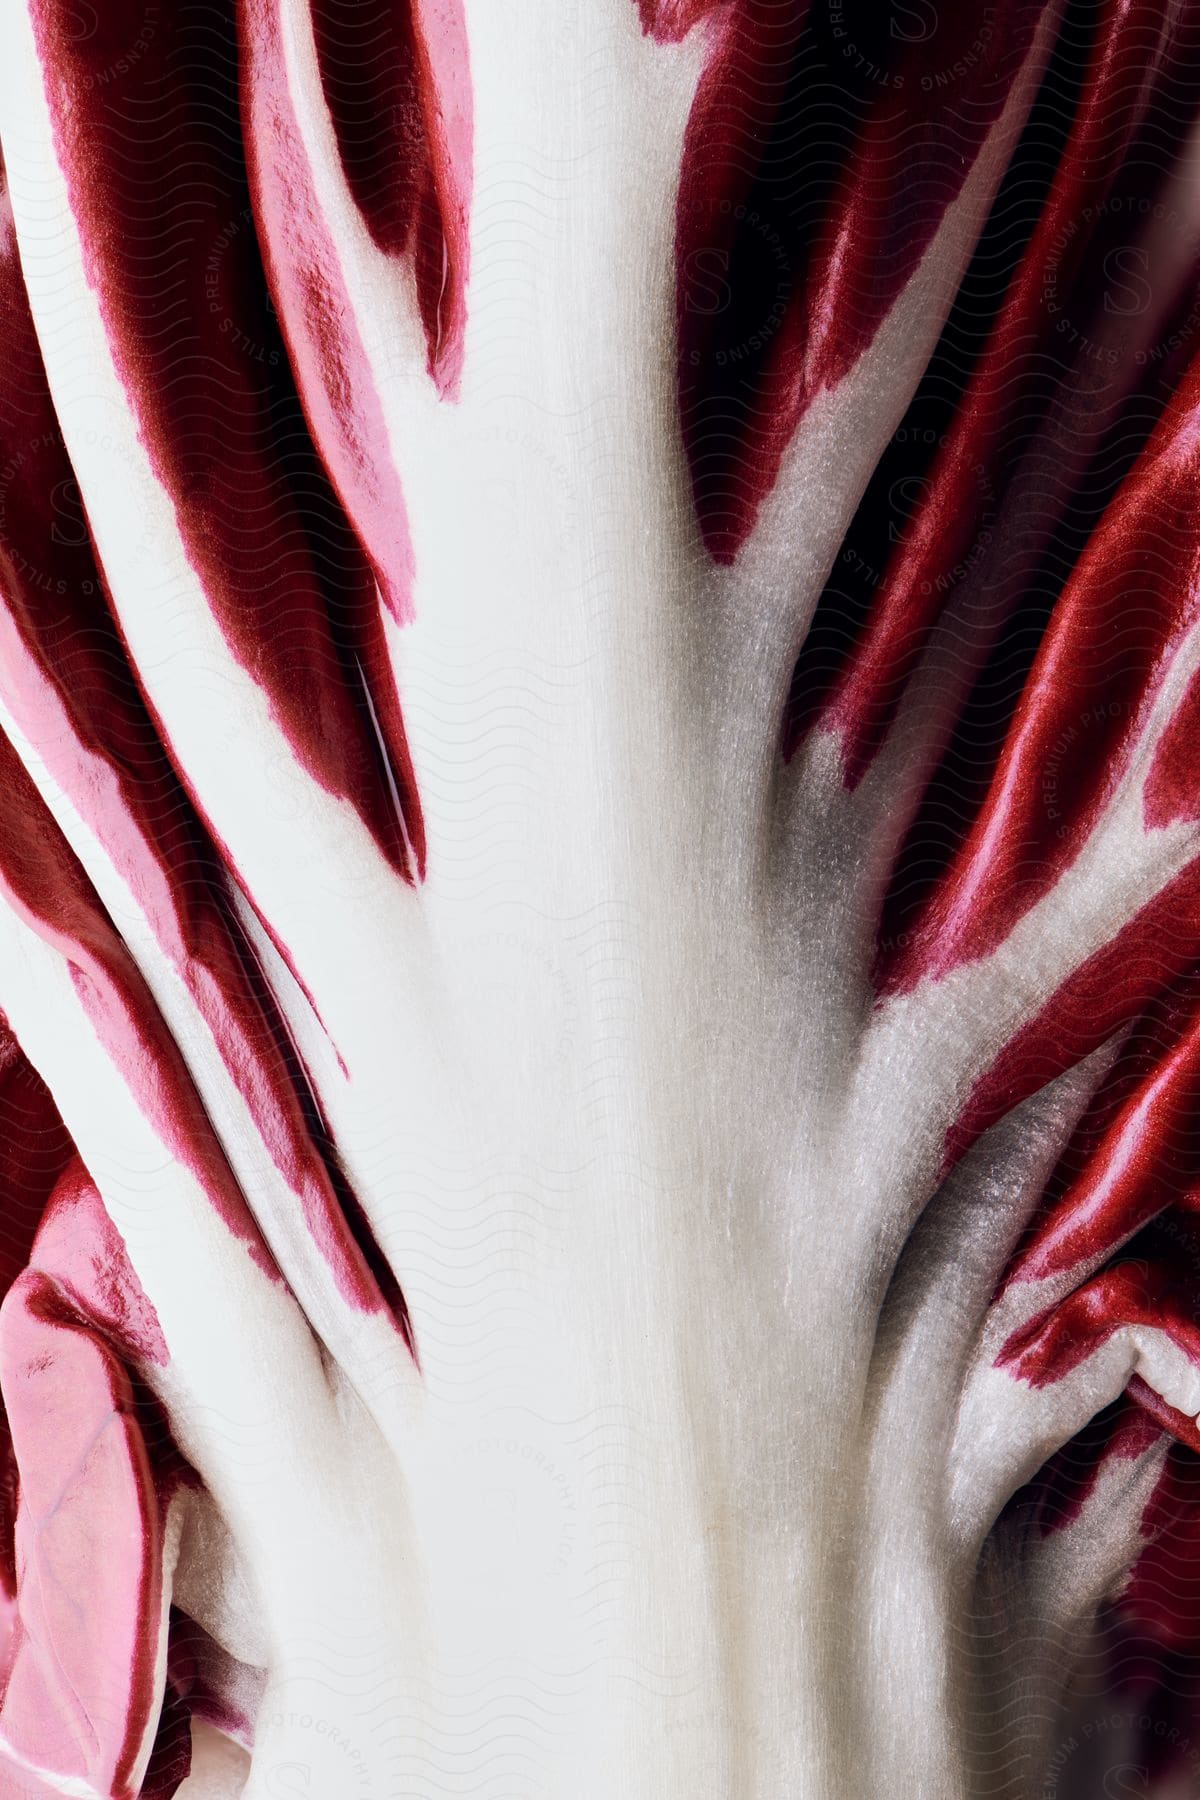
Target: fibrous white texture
<point>696,1485</point>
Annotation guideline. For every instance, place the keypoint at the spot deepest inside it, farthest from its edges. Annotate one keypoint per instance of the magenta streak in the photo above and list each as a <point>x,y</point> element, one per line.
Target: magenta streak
<point>751,45</point>
<point>1126,610</point>
<point>1105,993</point>
<point>1162,1596</point>
<point>1142,1163</point>
<point>214,1685</point>
<point>1131,1293</point>
<point>446,98</point>
<point>1172,789</point>
<point>911,161</point>
<point>35,1148</point>
<point>69,690</point>
<point>203,1682</point>
<point>915,147</point>
<point>48,889</point>
<point>334,376</point>
<point>398,85</point>
<point>251,958</point>
<point>669,21</point>
<point>208,381</point>
<point>1063,1488</point>
<point>317,312</point>
<point>188,924</point>
<point>1180,1425</point>
<point>1116,91</point>
<point>190,927</point>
